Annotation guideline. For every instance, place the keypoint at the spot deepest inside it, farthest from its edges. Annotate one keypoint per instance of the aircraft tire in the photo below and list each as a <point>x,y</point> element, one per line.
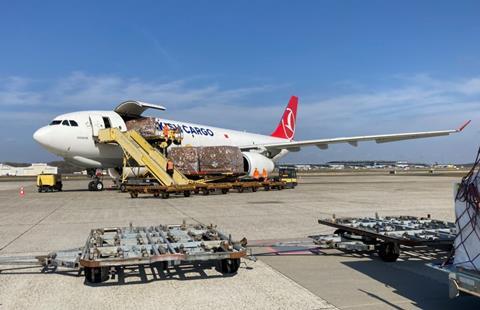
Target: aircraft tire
<point>98,186</point>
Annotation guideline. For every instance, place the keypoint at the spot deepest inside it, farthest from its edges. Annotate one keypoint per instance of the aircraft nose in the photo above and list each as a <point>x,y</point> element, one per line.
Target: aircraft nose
<point>41,135</point>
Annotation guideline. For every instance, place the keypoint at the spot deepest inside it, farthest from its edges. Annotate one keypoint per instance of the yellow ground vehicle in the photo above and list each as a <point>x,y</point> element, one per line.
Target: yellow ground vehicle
<point>49,182</point>
<point>288,175</point>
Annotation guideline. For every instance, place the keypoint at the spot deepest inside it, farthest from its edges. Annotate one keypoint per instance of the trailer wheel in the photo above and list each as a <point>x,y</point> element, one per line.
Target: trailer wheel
<point>156,194</point>
<point>96,274</point>
<point>123,187</point>
<point>39,189</point>
<point>389,251</point>
<point>133,194</point>
<point>165,195</point>
<point>229,265</point>
<point>205,191</point>
<point>186,193</point>
<point>254,188</point>
<point>163,265</point>
<point>267,188</point>
<point>224,190</point>
<point>240,189</point>
<point>196,191</point>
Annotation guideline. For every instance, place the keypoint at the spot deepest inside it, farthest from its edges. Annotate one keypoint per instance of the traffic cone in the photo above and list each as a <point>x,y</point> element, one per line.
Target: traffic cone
<point>22,191</point>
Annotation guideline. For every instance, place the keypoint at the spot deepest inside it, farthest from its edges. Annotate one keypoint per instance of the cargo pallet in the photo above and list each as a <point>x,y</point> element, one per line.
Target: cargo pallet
<point>386,235</point>
<point>204,188</point>
<point>111,249</point>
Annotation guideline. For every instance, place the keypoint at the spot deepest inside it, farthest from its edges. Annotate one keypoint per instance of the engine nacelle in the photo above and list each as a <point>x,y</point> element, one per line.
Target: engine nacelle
<point>252,160</point>
<point>129,172</point>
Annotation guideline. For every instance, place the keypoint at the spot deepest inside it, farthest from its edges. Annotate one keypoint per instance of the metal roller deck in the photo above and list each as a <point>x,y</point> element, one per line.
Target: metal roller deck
<point>161,246</point>
<point>387,234</point>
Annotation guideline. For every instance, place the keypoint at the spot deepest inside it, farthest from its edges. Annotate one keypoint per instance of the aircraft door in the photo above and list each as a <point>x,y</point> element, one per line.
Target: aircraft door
<point>97,122</point>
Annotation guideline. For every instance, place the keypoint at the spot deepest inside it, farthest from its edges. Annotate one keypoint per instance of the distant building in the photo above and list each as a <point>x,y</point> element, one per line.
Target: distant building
<point>303,167</point>
<point>375,164</point>
<point>6,170</point>
<point>33,170</point>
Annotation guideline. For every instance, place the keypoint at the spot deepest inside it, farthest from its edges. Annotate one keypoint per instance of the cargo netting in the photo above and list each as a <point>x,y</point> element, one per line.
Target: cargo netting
<point>467,220</point>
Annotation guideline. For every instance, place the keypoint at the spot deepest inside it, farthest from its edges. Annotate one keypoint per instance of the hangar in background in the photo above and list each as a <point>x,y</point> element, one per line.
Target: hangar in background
<point>32,170</point>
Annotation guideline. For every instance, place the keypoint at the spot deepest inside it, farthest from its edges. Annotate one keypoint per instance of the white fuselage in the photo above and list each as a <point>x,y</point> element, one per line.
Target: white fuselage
<point>75,141</point>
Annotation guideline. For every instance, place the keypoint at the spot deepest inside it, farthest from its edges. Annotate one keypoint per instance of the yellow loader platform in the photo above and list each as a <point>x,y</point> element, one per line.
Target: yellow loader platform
<point>136,147</point>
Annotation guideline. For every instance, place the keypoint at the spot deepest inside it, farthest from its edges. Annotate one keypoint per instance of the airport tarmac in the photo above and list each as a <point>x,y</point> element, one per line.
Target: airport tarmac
<point>42,222</point>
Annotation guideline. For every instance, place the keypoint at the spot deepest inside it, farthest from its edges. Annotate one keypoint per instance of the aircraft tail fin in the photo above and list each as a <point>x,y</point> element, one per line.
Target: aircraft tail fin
<point>286,127</point>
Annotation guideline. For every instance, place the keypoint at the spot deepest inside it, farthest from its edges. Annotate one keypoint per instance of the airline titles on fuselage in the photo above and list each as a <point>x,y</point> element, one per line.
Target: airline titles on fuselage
<point>191,130</point>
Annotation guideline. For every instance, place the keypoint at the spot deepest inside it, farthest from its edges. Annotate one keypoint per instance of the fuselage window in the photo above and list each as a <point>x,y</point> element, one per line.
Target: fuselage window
<point>73,123</point>
<point>55,122</point>
<point>65,123</point>
<point>106,122</point>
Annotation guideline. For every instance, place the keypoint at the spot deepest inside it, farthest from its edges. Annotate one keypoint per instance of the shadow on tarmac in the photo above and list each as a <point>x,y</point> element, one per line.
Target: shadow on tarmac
<point>409,277</point>
<point>132,274</point>
<point>425,287</point>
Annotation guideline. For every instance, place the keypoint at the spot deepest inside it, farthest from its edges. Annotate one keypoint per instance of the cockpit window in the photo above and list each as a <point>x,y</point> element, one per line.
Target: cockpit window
<point>73,123</point>
<point>55,122</point>
<point>65,123</point>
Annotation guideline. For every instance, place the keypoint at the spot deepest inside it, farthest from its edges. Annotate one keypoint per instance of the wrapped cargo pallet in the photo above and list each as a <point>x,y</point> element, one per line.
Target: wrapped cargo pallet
<point>467,214</point>
<point>220,159</point>
<point>146,126</point>
<point>185,159</point>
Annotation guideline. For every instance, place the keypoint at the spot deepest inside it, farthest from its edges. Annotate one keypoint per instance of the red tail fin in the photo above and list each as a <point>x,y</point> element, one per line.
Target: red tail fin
<point>286,127</point>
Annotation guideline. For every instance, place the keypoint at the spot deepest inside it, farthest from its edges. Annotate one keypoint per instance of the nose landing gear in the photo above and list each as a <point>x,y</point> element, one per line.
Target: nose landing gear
<point>96,184</point>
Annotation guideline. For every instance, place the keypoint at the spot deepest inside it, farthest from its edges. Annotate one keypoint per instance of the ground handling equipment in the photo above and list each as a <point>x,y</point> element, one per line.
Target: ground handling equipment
<point>49,182</point>
<point>111,251</point>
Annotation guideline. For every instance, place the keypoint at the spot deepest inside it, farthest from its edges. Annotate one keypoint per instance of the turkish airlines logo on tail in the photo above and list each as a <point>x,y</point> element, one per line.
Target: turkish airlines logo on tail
<point>288,124</point>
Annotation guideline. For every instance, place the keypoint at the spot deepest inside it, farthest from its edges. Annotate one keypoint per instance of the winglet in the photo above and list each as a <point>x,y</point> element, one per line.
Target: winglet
<point>463,126</point>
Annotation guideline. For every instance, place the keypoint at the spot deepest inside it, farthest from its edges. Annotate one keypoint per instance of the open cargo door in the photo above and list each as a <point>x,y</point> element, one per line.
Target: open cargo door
<point>134,109</point>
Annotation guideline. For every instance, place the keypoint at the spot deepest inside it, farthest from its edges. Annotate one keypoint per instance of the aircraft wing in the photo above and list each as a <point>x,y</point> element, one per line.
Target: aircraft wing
<point>294,146</point>
<point>134,108</point>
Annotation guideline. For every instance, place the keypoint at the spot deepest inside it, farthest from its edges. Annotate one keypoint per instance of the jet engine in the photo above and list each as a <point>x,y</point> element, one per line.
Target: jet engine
<point>252,160</point>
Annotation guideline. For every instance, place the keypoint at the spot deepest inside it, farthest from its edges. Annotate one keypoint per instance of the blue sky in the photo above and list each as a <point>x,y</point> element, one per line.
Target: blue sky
<point>359,67</point>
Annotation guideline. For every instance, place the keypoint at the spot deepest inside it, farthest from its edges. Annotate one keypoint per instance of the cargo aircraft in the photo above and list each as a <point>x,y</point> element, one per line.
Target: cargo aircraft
<point>73,137</point>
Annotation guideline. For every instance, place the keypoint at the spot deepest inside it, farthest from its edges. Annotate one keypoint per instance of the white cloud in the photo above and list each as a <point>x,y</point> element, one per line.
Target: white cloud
<point>80,90</point>
<point>420,97</point>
